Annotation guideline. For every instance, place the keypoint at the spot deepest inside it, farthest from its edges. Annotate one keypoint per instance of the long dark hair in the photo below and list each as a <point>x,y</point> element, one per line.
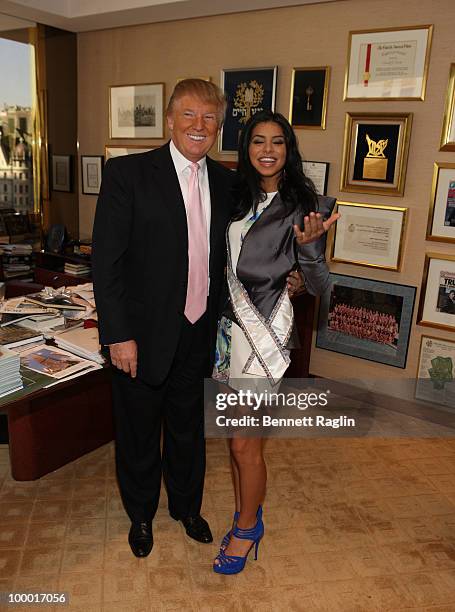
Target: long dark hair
<point>296,189</point>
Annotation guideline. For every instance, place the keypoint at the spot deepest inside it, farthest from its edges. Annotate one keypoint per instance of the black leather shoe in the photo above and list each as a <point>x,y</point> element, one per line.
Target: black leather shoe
<point>197,528</point>
<point>140,539</point>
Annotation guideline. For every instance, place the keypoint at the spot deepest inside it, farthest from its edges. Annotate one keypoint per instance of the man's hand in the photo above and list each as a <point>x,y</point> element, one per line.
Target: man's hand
<point>124,356</point>
<point>314,227</point>
<point>295,283</point>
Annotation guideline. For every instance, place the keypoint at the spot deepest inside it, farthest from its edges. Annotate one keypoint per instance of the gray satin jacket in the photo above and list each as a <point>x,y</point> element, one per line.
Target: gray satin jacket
<point>269,252</point>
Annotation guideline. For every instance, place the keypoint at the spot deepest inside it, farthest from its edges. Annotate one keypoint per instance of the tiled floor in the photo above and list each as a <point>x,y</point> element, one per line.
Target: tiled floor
<point>351,525</point>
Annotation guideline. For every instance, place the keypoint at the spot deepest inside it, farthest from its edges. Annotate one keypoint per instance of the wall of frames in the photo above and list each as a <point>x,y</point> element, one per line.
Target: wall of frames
<point>369,87</point>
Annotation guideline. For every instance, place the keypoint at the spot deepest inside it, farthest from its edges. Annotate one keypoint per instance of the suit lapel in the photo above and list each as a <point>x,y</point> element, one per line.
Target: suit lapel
<point>165,177</point>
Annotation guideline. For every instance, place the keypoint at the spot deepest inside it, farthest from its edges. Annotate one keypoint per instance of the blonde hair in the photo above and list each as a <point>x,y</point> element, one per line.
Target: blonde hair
<point>204,90</point>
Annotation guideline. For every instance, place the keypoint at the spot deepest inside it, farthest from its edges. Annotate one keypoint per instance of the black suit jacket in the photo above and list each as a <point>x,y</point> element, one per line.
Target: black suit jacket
<point>140,255</point>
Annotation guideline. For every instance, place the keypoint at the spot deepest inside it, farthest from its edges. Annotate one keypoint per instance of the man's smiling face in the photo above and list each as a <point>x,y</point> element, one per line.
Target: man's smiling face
<point>194,126</point>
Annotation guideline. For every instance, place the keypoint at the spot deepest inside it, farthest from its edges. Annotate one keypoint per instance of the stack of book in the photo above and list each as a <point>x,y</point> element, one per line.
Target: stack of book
<point>82,342</point>
<point>15,335</point>
<point>17,261</point>
<point>83,269</point>
<point>10,378</point>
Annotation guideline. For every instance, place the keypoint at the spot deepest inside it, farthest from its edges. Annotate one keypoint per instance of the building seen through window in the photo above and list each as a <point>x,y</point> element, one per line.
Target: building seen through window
<point>16,127</point>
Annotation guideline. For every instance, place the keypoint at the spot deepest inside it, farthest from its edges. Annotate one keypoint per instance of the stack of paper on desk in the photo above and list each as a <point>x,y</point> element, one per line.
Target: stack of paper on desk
<point>83,342</point>
<point>10,379</point>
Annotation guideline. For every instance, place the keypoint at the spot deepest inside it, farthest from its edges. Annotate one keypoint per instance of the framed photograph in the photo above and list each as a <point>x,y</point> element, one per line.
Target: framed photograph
<point>448,125</point>
<point>248,91</point>
<point>390,64</point>
<point>436,371</point>
<point>119,150</point>
<point>309,93</point>
<point>437,296</point>
<point>367,319</point>
<point>441,218</point>
<point>62,173</point>
<point>136,111</point>
<point>375,153</point>
<point>318,172</point>
<point>202,78</point>
<point>92,169</point>
<point>369,235</point>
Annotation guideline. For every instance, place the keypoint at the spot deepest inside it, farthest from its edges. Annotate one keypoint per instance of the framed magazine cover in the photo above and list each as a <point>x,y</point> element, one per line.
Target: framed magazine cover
<point>248,91</point>
<point>437,297</point>
<point>367,319</point>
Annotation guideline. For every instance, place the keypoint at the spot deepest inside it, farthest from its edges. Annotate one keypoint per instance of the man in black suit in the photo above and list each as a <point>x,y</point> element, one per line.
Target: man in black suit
<point>160,342</point>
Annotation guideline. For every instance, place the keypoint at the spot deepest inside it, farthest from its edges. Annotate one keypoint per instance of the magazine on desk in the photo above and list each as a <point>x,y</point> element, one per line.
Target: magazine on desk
<point>55,362</point>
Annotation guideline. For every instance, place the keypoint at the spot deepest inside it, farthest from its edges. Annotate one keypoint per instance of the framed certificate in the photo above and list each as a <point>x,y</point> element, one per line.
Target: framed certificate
<point>248,91</point>
<point>367,319</point>
<point>92,168</point>
<point>437,296</point>
<point>441,218</point>
<point>136,111</point>
<point>448,126</point>
<point>389,64</point>
<point>62,173</point>
<point>436,371</point>
<point>318,172</point>
<point>375,153</point>
<point>309,92</point>
<point>369,235</point>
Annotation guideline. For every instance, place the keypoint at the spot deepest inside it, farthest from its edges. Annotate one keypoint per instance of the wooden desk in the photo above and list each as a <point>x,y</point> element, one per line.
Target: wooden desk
<point>54,426</point>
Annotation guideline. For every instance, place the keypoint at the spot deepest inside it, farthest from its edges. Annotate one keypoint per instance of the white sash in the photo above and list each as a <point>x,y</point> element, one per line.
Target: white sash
<point>267,338</point>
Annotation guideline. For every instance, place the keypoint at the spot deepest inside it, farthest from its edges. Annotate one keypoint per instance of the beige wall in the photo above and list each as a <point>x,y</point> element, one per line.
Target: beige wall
<point>313,35</point>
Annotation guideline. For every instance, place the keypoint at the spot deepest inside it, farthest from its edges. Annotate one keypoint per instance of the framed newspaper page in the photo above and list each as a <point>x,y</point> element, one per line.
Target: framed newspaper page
<point>436,371</point>
<point>437,297</point>
<point>388,64</point>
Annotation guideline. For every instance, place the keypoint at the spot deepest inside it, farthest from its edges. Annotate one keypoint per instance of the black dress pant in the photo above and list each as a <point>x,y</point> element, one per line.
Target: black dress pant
<point>139,412</point>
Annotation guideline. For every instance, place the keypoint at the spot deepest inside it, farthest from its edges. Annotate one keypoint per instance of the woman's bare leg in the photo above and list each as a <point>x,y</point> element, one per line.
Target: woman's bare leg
<point>248,459</point>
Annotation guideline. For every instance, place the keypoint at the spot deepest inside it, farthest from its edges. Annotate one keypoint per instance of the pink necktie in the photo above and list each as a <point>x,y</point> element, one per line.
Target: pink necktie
<point>196,295</point>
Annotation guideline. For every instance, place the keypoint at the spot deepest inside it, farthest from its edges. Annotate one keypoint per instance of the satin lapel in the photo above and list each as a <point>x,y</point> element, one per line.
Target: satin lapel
<point>273,210</point>
<point>165,177</point>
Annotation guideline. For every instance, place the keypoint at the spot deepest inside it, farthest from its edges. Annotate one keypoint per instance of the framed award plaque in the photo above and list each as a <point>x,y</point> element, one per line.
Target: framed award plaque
<point>375,153</point>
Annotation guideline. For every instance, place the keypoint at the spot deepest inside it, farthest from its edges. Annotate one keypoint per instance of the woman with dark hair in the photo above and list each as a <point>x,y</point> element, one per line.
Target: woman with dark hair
<point>279,224</point>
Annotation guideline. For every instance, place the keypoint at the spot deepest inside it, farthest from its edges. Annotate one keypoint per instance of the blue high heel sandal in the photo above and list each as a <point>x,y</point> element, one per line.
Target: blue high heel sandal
<point>230,564</point>
<point>225,541</point>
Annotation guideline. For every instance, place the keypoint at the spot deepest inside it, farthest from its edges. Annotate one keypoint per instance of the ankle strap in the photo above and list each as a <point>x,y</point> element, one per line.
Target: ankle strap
<point>247,534</point>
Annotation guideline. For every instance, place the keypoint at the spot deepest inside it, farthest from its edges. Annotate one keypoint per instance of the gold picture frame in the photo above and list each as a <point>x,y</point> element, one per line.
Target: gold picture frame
<point>442,212</point>
<point>361,235</point>
<point>136,111</point>
<point>115,150</point>
<point>371,55</point>
<point>448,124</point>
<point>309,111</point>
<point>436,306</point>
<point>375,153</point>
